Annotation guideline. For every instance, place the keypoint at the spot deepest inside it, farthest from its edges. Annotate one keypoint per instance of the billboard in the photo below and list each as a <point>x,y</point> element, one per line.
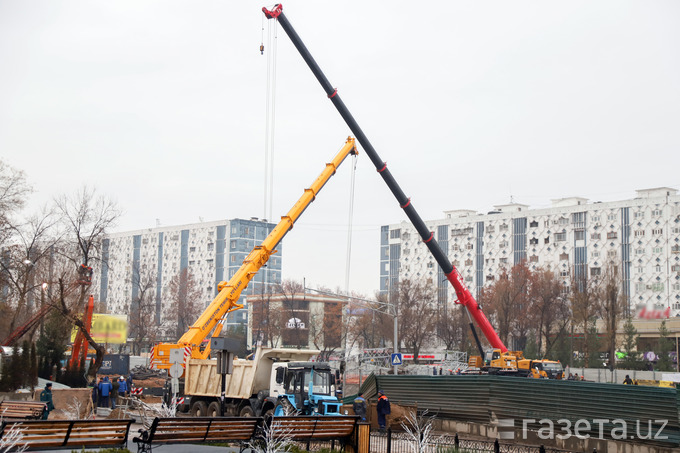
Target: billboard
<point>107,329</point>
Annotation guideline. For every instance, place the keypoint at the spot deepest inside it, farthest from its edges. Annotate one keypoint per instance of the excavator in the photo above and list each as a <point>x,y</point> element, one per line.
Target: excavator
<point>211,320</point>
<point>499,360</point>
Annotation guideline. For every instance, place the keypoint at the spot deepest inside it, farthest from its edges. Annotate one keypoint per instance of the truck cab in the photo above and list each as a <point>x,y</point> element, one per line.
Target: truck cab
<point>306,388</point>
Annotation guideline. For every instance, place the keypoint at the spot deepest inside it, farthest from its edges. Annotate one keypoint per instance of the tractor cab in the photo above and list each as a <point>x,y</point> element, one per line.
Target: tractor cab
<point>308,389</point>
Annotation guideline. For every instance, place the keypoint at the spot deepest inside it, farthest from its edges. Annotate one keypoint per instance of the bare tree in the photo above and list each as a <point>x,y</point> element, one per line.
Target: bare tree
<point>142,313</point>
<point>612,306</point>
<point>326,328</point>
<point>86,217</point>
<point>585,308</point>
<point>266,319</point>
<point>25,263</point>
<point>294,314</point>
<point>550,311</point>
<point>416,302</point>
<point>14,191</point>
<point>186,302</point>
<point>449,325</point>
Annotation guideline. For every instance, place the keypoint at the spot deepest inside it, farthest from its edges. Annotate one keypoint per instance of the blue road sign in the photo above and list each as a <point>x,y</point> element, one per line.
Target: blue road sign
<point>396,359</point>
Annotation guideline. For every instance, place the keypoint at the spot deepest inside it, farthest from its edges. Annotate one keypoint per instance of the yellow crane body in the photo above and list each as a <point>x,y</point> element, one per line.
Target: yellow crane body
<point>211,320</point>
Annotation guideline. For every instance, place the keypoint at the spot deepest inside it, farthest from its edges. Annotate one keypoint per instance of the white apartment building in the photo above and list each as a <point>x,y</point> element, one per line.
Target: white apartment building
<point>211,251</point>
<point>641,235</point>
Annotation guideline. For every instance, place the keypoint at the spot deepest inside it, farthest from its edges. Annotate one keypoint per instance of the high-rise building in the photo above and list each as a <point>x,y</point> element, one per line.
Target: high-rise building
<point>147,260</point>
<point>640,236</point>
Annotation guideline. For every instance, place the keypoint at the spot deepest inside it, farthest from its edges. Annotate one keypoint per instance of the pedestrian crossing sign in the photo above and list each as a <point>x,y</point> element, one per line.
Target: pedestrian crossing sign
<point>396,359</point>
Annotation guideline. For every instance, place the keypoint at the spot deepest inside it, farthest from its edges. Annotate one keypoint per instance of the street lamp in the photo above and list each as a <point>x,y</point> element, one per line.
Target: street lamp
<point>42,306</point>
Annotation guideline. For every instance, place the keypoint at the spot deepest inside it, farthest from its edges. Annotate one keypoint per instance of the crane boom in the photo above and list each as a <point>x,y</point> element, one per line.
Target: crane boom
<point>226,300</point>
<point>465,298</point>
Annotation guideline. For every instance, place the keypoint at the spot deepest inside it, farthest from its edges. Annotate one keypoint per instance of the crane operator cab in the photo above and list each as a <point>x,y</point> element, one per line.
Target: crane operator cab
<point>308,389</point>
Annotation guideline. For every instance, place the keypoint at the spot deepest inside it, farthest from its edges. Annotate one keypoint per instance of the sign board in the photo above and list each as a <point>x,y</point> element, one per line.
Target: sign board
<point>176,370</point>
<point>115,364</point>
<point>107,329</point>
<point>396,359</point>
<point>177,355</point>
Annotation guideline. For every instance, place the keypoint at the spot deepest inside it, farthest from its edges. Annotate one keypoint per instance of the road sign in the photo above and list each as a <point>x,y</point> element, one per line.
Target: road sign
<point>176,370</point>
<point>396,359</point>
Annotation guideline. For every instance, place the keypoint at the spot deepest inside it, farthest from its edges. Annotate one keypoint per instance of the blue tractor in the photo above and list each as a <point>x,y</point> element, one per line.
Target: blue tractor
<point>308,389</point>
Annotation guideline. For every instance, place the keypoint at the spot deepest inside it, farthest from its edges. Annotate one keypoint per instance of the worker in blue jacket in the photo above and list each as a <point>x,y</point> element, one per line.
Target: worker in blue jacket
<point>105,389</point>
<point>122,389</point>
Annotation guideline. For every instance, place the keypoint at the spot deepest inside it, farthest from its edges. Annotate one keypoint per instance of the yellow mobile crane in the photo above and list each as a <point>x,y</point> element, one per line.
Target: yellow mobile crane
<point>226,300</point>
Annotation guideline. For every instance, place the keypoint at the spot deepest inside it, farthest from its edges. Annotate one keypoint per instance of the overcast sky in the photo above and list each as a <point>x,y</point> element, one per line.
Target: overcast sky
<point>161,106</point>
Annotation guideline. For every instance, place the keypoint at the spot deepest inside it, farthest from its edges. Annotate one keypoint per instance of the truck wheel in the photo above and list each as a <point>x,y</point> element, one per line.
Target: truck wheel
<point>214,409</point>
<point>246,411</point>
<point>199,409</point>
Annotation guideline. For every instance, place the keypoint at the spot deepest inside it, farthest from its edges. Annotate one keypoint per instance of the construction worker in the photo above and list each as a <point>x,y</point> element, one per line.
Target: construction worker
<point>383,409</point>
<point>628,380</point>
<point>122,389</point>
<point>359,406</point>
<point>46,397</point>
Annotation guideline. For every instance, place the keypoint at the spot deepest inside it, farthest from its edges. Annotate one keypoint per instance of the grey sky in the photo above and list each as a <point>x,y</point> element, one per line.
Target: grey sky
<point>161,105</point>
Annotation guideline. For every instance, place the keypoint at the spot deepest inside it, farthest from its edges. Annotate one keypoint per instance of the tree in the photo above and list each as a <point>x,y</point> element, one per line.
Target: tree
<point>14,191</point>
<point>294,314</point>
<point>612,307</point>
<point>585,307</point>
<point>266,319</point>
<point>326,328</point>
<point>416,301</point>
<point>85,217</point>
<point>51,346</point>
<point>449,323</point>
<point>186,303</point>
<point>550,311</point>
<point>664,348</point>
<point>631,361</point>
<point>142,313</point>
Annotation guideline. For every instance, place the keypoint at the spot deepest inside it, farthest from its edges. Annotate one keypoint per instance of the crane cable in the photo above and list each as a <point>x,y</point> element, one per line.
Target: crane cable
<point>350,218</point>
<point>270,120</point>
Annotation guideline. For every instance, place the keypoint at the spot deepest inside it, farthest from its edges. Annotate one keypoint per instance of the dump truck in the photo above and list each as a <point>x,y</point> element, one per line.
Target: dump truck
<point>255,387</point>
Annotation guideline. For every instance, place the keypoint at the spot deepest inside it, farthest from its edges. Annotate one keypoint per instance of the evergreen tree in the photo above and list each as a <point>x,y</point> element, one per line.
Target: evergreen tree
<point>664,348</point>
<point>14,369</point>
<point>25,364</point>
<point>632,360</point>
<point>34,367</point>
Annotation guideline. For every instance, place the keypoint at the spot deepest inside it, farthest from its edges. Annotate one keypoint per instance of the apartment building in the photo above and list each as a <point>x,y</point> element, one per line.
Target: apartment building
<point>640,235</point>
<point>211,251</point>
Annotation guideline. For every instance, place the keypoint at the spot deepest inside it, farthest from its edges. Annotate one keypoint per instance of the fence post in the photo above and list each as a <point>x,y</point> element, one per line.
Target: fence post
<point>541,449</point>
<point>456,441</point>
<point>496,446</point>
<point>389,440</point>
<point>363,438</point>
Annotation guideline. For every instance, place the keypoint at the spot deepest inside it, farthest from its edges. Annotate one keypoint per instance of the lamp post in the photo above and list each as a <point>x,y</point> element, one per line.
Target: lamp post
<point>42,305</point>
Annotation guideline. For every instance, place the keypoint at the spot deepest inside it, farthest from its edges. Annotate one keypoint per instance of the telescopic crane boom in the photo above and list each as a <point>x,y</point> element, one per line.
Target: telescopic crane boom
<point>226,300</point>
<point>465,298</point>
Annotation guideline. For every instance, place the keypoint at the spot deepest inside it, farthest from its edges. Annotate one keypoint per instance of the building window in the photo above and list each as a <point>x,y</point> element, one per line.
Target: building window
<point>533,224</point>
<point>579,235</point>
<point>533,259</point>
<point>640,215</point>
<point>596,254</point>
<point>233,245</point>
<point>657,268</point>
<point>639,269</point>
<point>640,287</point>
<point>595,236</point>
<point>675,268</point>
<point>503,227</point>
<point>430,265</point>
<point>612,254</point>
<point>676,230</point>
<point>639,233</point>
<point>547,240</point>
<point>657,212</point>
<point>564,221</point>
<point>564,257</point>
<point>468,262</point>
<point>640,251</point>
<point>469,246</point>
<point>503,260</point>
<point>489,278</point>
<point>657,287</point>
<point>612,235</point>
<point>612,217</point>
<point>533,241</point>
<point>233,258</point>
<point>454,248</point>
<point>676,286</point>
<point>675,249</point>
<point>211,246</point>
<point>595,271</point>
<point>504,244</point>
<point>595,218</point>
<point>395,234</point>
<point>564,273</point>
<point>560,237</point>
<point>657,249</point>
<point>657,231</point>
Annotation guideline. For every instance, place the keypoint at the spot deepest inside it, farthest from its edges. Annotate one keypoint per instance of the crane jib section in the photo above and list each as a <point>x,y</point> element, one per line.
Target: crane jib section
<point>464,296</point>
<point>226,300</point>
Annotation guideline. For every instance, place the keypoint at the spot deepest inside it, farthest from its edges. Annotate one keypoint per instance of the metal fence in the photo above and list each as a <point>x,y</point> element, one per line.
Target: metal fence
<point>399,442</point>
